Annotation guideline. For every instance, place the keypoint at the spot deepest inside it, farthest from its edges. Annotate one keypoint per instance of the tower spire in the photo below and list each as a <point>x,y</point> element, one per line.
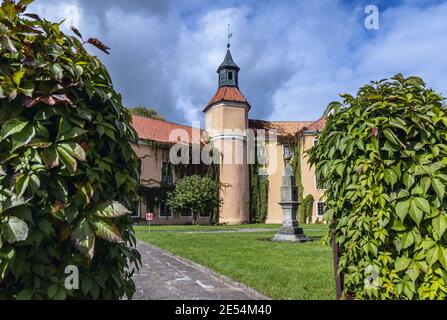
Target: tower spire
<point>229,35</point>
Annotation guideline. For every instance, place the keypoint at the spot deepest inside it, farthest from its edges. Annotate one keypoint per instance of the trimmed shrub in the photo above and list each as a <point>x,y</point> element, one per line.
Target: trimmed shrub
<point>67,170</point>
<point>383,154</point>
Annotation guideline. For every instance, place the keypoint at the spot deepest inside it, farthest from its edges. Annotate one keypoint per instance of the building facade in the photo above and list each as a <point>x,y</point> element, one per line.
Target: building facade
<point>228,130</point>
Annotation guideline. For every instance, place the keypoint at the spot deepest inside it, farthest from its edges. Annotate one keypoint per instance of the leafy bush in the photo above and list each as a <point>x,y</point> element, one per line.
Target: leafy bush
<point>196,193</point>
<point>384,155</point>
<point>67,170</point>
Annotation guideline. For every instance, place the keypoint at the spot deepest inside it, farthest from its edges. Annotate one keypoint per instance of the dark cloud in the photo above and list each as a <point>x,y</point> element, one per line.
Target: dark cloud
<point>295,56</point>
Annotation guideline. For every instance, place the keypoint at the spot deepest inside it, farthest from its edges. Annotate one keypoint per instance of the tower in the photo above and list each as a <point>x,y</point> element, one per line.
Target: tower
<point>226,122</point>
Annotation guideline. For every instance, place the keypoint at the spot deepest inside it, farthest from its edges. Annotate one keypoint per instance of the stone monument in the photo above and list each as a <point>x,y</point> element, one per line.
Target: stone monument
<point>290,230</point>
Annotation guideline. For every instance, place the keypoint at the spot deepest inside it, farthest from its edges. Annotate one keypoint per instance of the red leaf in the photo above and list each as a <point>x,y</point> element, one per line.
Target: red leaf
<point>375,132</point>
<point>98,44</point>
<point>52,100</point>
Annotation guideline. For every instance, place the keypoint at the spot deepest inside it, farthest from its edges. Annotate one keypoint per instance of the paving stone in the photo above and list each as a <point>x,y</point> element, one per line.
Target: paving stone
<point>164,276</point>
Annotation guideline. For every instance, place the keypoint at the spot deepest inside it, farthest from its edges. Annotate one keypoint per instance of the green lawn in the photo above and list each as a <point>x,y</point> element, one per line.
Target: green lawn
<point>278,270</point>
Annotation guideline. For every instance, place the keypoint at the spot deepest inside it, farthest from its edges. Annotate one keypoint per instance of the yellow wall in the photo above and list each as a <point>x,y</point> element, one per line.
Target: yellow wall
<point>275,214</point>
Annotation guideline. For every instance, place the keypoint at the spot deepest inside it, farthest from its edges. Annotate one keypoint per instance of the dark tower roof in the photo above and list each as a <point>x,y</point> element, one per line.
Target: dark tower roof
<point>228,89</point>
<point>228,63</point>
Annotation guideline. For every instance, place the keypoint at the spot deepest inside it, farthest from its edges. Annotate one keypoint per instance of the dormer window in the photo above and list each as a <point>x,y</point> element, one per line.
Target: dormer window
<point>230,75</point>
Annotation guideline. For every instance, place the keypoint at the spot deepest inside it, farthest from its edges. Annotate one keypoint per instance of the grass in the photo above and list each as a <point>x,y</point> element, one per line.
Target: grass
<point>278,270</point>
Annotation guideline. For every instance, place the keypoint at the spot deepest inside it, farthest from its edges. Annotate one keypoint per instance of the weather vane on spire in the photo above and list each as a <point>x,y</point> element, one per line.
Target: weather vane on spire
<point>229,35</point>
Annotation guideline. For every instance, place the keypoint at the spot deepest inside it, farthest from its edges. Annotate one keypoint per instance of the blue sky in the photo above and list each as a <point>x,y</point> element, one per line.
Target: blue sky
<point>295,56</point>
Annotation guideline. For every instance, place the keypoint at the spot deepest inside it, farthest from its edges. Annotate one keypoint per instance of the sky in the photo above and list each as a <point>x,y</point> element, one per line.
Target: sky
<point>295,56</point>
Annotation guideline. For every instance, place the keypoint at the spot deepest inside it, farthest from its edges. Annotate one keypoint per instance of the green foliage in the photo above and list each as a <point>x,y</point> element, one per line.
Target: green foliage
<point>384,155</point>
<point>67,170</point>
<point>146,112</point>
<point>305,209</point>
<point>196,193</point>
<point>296,165</point>
<point>258,195</point>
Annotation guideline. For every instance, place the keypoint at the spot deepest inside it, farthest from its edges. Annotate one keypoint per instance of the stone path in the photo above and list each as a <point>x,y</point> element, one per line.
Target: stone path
<point>164,276</point>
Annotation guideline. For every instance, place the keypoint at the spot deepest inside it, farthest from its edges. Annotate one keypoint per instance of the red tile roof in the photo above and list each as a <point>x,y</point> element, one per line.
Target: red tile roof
<point>316,125</point>
<point>284,128</point>
<point>227,93</point>
<point>159,131</point>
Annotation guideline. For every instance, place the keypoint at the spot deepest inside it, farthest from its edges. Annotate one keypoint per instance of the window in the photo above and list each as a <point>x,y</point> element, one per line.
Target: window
<point>135,210</point>
<point>260,148</point>
<point>165,210</point>
<point>230,75</point>
<point>205,214</point>
<point>166,173</point>
<point>320,208</point>
<point>186,213</point>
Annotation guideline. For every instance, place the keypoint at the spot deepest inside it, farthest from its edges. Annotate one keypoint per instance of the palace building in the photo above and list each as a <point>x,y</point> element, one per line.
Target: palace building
<point>228,130</point>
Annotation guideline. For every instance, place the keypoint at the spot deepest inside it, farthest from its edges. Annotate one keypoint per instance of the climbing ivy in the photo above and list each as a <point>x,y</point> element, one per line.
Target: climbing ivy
<point>258,195</point>
<point>305,209</point>
<point>383,154</point>
<point>67,169</point>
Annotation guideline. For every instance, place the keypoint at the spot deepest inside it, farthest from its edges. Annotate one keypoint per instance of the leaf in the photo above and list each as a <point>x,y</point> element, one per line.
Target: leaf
<point>415,213</point>
<point>440,224</point>
<point>6,41</point>
<point>390,177</point>
<point>401,263</point>
<point>407,240</point>
<point>69,161</point>
<point>442,256</point>
<point>17,76</point>
<point>432,255</point>
<point>71,134</point>
<point>24,3</point>
<point>110,209</point>
<point>83,238</point>
<point>57,70</point>
<point>25,294</point>
<point>98,44</point>
<point>33,16</point>
<point>14,230</point>
<point>106,230</point>
<point>413,272</point>
<point>50,157</point>
<point>439,188</point>
<point>75,150</point>
<point>422,204</point>
<point>28,88</point>
<point>22,183</point>
<point>402,209</point>
<point>52,290</point>
<point>12,126</point>
<point>21,138</point>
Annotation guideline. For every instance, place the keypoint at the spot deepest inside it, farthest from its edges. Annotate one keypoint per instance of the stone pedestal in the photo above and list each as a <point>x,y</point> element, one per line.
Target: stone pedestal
<point>290,230</point>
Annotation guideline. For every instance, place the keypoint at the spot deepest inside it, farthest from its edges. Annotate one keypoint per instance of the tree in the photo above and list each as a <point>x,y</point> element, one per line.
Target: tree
<point>383,154</point>
<point>196,193</point>
<point>67,169</point>
<point>146,112</point>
